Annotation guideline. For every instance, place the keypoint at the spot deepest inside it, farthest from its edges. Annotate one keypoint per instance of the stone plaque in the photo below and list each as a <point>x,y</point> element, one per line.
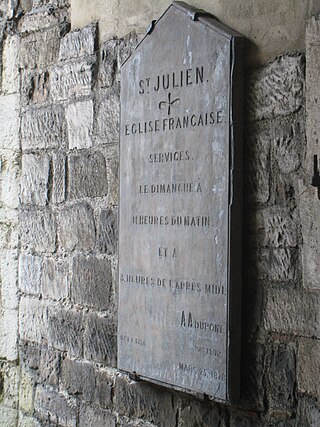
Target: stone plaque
<point>180,205</point>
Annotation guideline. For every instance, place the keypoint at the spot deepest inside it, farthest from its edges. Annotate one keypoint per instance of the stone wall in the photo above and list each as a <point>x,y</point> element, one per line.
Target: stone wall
<point>59,143</point>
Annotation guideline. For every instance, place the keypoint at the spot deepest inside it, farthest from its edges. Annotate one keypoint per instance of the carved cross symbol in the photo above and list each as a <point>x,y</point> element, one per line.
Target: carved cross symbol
<point>168,104</point>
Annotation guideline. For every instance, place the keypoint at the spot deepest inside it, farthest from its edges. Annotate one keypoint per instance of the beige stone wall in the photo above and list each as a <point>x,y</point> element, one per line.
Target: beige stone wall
<point>272,26</point>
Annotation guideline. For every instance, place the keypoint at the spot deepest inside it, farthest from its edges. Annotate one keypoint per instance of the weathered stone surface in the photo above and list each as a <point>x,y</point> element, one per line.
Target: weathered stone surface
<point>100,341</point>
<point>41,18</point>
<point>27,421</point>
<point>44,128</point>
<point>55,407</point>
<point>142,400</point>
<point>8,334</point>
<point>93,416</point>
<point>308,412</point>
<point>9,181</point>
<point>9,378</point>
<point>54,280</point>
<point>107,119</point>
<point>77,229</point>
<point>91,282</point>
<point>288,146</point>
<point>9,122</point>
<point>87,175</point>
<point>275,227</point>
<point>108,63</point>
<point>78,378</point>
<point>108,231</point>
<point>58,191</point>
<point>38,231</point>
<point>10,65</point>
<point>282,377</point>
<point>33,320</point>
<point>35,88</point>
<point>71,80</point>
<point>40,49</point>
<point>193,413</point>
<point>64,330</point>
<point>310,221</point>
<point>257,162</point>
<point>78,43</point>
<point>103,389</point>
<point>9,279</point>
<point>35,179</point>
<point>29,274</point>
<point>292,312</point>
<point>113,175</point>
<point>308,365</point>
<point>8,416</point>
<point>80,122</point>
<point>277,89</point>
<point>26,393</point>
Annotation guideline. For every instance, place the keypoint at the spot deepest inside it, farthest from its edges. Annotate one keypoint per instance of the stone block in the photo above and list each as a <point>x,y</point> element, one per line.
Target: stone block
<point>43,128</point>
<point>9,122</point>
<point>94,416</point>
<point>41,18</point>
<point>26,388</point>
<point>54,280</point>
<point>308,412</point>
<point>282,377</point>
<point>87,175</point>
<point>38,231</point>
<point>77,228</point>
<point>127,45</point>
<point>58,191</point>
<point>194,413</point>
<point>104,389</point>
<point>9,181</point>
<point>27,421</point>
<point>10,65</point>
<point>33,320</point>
<point>91,282</point>
<point>142,400</point>
<point>80,121</point>
<point>65,330</point>
<point>308,364</point>
<point>71,80</point>
<point>78,43</point>
<point>274,227</point>
<point>35,179</point>
<point>278,265</point>
<point>35,88</point>
<point>288,146</point>
<point>108,63</point>
<point>9,279</point>
<point>40,49</point>
<point>8,334</point>
<point>108,231</point>
<point>49,366</point>
<point>257,164</point>
<point>9,377</point>
<point>100,340</point>
<point>293,312</point>
<point>29,274</point>
<point>113,175</point>
<point>8,416</point>
<point>55,408</point>
<point>277,89</point>
<point>107,119</point>
<point>78,378</point>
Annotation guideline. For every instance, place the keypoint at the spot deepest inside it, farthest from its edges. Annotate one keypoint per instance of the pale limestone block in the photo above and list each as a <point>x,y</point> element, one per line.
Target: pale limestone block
<point>9,122</point>
<point>8,334</point>
<point>29,274</point>
<point>33,320</point>
<point>10,65</point>
<point>54,281</point>
<point>9,279</point>
<point>80,121</point>
<point>35,179</point>
<point>9,181</point>
<point>78,43</point>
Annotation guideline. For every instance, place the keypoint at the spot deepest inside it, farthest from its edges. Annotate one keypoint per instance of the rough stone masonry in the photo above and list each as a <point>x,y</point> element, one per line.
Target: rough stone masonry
<point>59,145</point>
